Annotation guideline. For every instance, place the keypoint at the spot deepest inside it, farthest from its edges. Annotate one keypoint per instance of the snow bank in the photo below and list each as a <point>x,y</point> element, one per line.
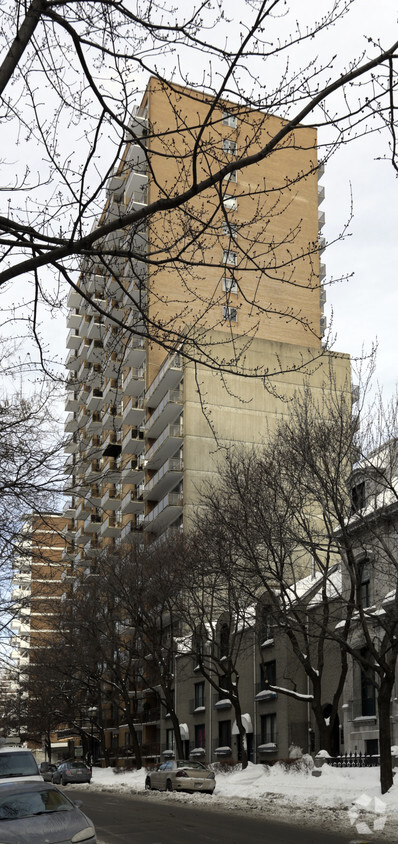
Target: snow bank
<point>346,797</point>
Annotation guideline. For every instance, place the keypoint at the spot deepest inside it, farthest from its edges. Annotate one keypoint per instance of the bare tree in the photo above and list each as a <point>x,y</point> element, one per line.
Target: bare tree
<point>286,508</point>
<point>215,615</point>
<point>86,63</point>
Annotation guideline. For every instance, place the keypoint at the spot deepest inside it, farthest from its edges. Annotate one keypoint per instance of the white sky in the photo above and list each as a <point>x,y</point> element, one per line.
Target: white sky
<point>364,308</point>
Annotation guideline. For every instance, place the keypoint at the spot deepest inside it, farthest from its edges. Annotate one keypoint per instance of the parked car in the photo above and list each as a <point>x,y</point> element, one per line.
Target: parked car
<point>47,769</point>
<point>18,764</point>
<point>73,771</point>
<point>177,775</point>
<point>37,812</point>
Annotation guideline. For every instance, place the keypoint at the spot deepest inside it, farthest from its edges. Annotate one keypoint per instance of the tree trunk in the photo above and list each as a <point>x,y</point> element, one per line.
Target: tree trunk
<point>384,707</point>
<point>242,735</point>
<point>324,732</point>
<point>177,734</point>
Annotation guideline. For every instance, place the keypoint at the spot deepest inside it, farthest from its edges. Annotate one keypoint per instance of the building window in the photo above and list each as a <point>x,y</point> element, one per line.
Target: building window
<point>268,674</point>
<point>199,694</point>
<point>170,740</point>
<point>229,257</point>
<point>230,314</point>
<point>224,734</point>
<point>268,728</point>
<point>231,177</point>
<point>358,497</point>
<point>229,120</point>
<point>229,285</point>
<point>368,690</point>
<point>230,147</point>
<point>229,229</point>
<point>266,626</point>
<point>230,202</point>
<point>200,735</point>
<point>363,596</point>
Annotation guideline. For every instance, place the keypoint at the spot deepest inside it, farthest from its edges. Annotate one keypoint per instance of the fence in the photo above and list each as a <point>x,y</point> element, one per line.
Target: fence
<point>353,760</point>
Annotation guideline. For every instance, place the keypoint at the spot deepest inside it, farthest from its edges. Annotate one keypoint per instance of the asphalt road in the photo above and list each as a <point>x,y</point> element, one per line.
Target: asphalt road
<point>132,819</point>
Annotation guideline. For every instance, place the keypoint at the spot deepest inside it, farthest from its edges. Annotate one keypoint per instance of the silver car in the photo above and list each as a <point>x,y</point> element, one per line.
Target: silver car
<point>38,812</point>
<point>177,775</point>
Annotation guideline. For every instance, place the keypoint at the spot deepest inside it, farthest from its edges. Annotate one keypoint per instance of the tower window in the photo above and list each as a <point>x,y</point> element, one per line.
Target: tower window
<point>229,120</point>
<point>229,257</point>
<point>230,314</point>
<point>230,147</point>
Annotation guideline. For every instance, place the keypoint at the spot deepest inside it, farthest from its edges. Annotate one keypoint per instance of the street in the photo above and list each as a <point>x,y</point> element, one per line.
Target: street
<point>129,819</point>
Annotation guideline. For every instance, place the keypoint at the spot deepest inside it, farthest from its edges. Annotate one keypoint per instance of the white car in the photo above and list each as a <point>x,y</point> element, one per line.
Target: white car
<point>17,764</point>
<point>177,775</point>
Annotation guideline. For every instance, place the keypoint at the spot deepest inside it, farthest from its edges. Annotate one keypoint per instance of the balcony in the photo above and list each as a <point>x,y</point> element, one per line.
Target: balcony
<point>70,423</point>
<point>111,500</point>
<point>72,361</point>
<point>133,383</point>
<point>93,523</point>
<point>132,472</point>
<point>112,417</point>
<point>95,400</point>
<point>133,441</point>
<point>134,352</point>
<point>111,366</point>
<point>95,354</point>
<point>94,425</point>
<point>166,445</point>
<point>96,328</point>
<point>168,378</point>
<point>112,444</point>
<point>68,555</point>
<point>112,527</point>
<point>93,473</point>
<point>166,512</point>
<point>165,479</point>
<point>69,530</point>
<point>72,402</point>
<point>165,413</point>
<point>134,411</point>
<point>73,320</point>
<point>74,299</point>
<point>72,445</point>
<point>111,390</point>
<point>132,502</point>
<point>73,339</point>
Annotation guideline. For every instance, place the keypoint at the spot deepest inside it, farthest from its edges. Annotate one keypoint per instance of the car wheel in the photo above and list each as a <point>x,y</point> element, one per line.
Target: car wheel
<point>169,786</point>
<point>148,784</point>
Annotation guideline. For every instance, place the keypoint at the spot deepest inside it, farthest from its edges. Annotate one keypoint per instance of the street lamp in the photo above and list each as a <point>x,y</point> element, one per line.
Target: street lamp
<point>92,713</point>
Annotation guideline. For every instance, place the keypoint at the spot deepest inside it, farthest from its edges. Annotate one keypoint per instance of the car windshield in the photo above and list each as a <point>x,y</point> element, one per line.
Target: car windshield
<point>17,765</point>
<point>77,765</point>
<point>25,804</point>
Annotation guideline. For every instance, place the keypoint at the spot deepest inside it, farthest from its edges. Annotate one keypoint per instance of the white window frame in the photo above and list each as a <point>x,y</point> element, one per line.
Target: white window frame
<point>230,202</point>
<point>229,146</point>
<point>231,177</point>
<point>229,120</point>
<point>229,229</point>
<point>229,285</point>
<point>229,257</point>
<point>230,314</point>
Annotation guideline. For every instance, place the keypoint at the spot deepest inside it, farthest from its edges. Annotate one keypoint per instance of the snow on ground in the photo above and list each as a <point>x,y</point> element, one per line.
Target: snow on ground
<point>345,799</point>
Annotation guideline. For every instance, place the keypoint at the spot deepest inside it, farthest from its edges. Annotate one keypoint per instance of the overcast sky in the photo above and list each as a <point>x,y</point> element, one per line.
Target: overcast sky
<point>364,307</point>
